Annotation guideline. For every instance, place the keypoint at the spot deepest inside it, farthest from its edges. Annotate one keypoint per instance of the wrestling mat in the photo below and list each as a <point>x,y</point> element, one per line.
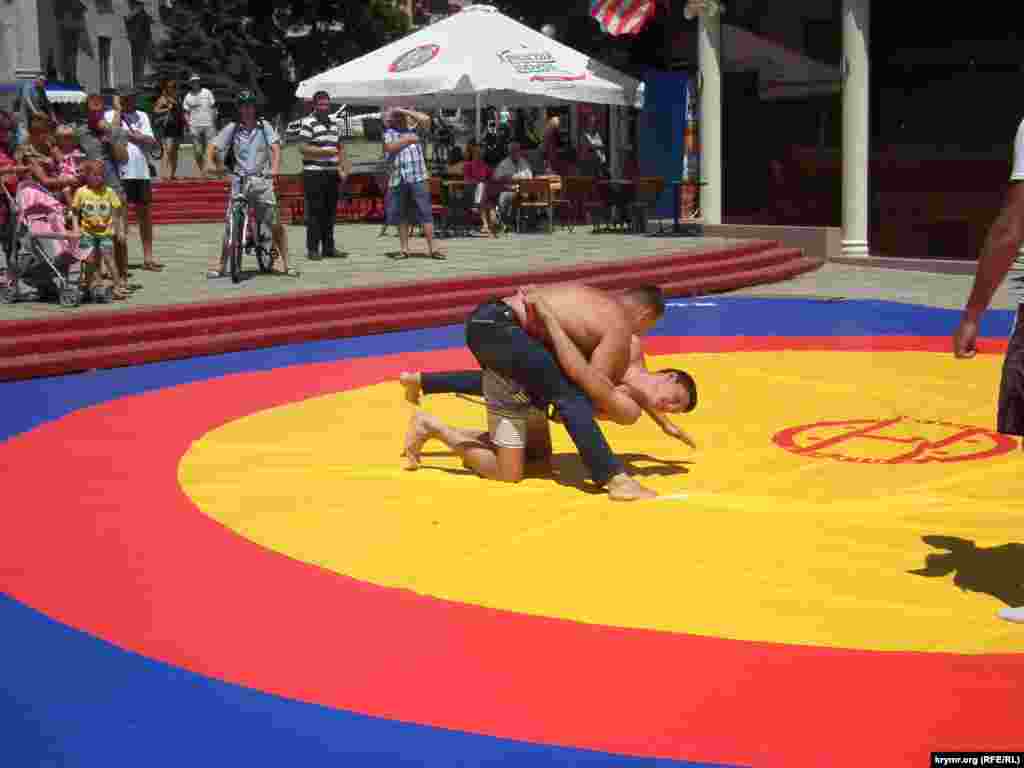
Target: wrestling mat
<point>220,561</point>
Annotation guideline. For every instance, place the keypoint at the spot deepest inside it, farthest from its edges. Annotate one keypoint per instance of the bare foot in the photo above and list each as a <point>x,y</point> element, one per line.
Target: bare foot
<point>411,383</point>
<point>622,487</point>
<point>420,430</point>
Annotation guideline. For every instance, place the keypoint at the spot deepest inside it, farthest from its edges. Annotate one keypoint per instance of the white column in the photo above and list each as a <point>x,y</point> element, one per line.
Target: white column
<point>856,127</point>
<point>29,63</point>
<point>709,48</point>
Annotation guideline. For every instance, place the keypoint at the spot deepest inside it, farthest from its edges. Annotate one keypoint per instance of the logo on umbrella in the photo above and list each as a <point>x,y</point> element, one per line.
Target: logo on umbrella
<point>417,57</point>
<point>538,65</point>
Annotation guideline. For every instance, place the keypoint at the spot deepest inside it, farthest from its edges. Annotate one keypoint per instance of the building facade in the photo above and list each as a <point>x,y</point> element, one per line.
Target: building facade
<point>98,44</point>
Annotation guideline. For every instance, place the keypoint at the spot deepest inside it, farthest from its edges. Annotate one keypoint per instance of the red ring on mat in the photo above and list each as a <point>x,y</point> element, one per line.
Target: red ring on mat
<point>106,541</point>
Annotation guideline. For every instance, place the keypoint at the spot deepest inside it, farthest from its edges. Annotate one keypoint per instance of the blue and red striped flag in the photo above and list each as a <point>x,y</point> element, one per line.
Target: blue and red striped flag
<point>622,17</point>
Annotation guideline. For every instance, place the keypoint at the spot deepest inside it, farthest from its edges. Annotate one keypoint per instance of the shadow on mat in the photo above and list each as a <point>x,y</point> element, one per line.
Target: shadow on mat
<point>567,469</point>
<point>996,571</point>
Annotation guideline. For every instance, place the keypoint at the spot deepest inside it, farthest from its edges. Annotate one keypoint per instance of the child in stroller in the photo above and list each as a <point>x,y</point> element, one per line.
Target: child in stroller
<point>42,258</point>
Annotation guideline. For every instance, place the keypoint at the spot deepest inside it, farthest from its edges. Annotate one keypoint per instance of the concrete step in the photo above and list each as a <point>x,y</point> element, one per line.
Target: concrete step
<point>255,314</point>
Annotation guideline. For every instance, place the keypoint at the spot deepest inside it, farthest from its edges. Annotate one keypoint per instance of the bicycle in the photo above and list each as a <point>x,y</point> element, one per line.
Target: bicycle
<point>245,232</point>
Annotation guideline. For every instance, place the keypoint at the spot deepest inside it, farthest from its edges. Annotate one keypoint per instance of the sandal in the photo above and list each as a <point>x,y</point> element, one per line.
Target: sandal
<point>153,267</point>
<point>290,272</point>
<point>439,255</point>
<point>213,274</point>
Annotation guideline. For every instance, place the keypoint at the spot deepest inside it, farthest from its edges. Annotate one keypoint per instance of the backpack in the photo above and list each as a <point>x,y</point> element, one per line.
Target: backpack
<point>229,156</point>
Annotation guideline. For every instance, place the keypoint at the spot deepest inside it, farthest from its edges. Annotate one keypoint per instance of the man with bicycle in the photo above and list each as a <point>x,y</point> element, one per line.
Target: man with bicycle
<point>251,148</point>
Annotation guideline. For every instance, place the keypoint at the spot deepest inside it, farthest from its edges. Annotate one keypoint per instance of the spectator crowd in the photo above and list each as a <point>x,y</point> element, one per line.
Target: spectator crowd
<point>105,163</point>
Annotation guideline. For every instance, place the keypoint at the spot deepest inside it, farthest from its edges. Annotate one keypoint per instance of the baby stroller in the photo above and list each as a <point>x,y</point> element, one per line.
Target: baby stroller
<point>40,256</point>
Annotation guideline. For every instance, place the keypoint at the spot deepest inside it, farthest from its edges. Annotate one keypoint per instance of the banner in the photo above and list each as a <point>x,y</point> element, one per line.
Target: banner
<point>689,199</point>
<point>622,17</point>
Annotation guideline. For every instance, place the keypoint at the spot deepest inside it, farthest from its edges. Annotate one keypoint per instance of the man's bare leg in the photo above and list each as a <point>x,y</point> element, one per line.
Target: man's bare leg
<point>144,214</point>
<point>280,237</point>
<point>413,386</point>
<point>403,237</point>
<point>473,447</point>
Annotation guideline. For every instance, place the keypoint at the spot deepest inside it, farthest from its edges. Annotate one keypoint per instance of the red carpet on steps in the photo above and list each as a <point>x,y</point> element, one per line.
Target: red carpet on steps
<point>194,201</point>
<point>69,343</point>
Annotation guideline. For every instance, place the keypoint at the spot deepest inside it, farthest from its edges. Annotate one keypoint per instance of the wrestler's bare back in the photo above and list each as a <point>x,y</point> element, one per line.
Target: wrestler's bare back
<point>588,316</point>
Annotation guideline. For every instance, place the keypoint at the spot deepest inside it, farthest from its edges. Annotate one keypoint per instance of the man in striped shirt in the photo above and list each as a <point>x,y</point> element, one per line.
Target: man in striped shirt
<point>325,165</point>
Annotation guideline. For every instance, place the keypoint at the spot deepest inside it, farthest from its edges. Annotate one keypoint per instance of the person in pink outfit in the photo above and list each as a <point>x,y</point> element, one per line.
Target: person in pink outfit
<point>475,170</point>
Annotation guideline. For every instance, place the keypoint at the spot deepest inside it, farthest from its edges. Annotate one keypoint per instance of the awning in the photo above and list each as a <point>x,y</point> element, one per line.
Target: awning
<point>60,93</point>
<point>57,93</point>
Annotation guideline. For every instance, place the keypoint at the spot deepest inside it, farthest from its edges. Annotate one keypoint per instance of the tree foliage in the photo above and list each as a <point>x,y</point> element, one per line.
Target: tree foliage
<point>208,38</point>
<point>338,30</point>
<point>269,46</point>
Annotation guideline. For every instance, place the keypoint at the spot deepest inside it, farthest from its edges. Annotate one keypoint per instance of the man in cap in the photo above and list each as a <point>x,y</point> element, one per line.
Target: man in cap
<point>201,117</point>
<point>256,149</point>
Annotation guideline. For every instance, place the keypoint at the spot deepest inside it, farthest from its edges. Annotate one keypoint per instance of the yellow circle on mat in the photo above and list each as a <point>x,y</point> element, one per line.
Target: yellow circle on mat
<point>750,540</point>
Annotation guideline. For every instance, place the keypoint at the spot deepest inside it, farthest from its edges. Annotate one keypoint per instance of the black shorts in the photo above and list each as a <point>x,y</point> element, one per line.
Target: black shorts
<point>1010,419</point>
<point>137,191</point>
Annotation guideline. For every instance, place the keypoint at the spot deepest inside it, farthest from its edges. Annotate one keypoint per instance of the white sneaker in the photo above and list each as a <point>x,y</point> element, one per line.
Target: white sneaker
<point>1013,614</point>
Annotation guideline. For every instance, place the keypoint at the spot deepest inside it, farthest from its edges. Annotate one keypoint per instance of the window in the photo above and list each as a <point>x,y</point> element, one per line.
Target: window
<point>69,54</point>
<point>106,74</point>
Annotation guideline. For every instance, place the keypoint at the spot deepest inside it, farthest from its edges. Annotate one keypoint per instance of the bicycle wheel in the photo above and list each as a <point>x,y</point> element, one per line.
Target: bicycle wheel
<point>264,250</point>
<point>237,234</point>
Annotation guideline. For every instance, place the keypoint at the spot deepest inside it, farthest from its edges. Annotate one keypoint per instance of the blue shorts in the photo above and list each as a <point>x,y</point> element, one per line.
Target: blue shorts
<point>409,203</point>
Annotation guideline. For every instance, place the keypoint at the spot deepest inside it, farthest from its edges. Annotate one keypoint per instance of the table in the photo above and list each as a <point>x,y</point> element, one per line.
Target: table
<point>620,193</point>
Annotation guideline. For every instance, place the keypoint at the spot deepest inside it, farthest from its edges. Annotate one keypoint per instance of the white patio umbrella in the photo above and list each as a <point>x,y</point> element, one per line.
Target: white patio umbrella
<point>476,57</point>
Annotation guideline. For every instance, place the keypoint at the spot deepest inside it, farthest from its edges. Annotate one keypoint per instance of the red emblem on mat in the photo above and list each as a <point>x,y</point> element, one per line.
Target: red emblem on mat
<point>893,441</point>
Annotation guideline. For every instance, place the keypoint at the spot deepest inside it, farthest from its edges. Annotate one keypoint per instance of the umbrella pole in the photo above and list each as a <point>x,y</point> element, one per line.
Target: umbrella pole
<point>478,117</point>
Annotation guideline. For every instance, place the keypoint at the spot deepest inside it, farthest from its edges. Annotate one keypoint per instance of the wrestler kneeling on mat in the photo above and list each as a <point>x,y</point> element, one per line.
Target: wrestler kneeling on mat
<point>597,322</point>
<point>656,393</point>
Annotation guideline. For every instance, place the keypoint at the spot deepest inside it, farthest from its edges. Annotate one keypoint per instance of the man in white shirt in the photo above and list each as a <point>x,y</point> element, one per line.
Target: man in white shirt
<point>200,108</point>
<point>998,254</point>
<point>515,166</point>
<point>134,172</point>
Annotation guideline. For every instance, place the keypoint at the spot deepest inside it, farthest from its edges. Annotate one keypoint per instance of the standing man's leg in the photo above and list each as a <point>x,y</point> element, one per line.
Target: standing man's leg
<point>270,216</point>
<point>330,211</point>
<point>218,264</point>
<point>312,188</point>
<point>424,216</point>
<point>199,142</point>
<point>139,192</point>
<point>121,239</point>
<point>402,195</point>
<point>1010,416</point>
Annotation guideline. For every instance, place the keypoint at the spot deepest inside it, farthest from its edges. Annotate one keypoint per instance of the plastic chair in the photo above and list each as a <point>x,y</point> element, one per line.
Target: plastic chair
<point>535,195</point>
